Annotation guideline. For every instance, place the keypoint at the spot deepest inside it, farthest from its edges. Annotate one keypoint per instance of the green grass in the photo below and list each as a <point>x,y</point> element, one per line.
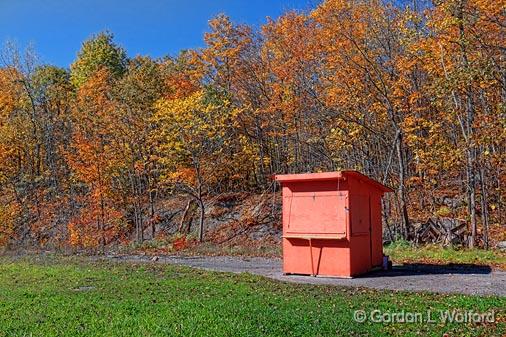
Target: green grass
<point>47,297</point>
<point>403,252</point>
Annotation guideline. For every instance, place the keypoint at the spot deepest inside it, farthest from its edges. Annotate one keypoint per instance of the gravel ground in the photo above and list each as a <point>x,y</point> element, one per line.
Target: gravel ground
<point>456,279</point>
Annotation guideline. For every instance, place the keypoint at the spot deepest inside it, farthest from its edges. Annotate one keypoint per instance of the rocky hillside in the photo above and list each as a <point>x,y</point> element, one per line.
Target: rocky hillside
<point>235,223</point>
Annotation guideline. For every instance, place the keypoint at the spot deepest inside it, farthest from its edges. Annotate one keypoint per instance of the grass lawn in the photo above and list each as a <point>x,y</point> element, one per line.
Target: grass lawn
<point>403,252</point>
<point>55,296</point>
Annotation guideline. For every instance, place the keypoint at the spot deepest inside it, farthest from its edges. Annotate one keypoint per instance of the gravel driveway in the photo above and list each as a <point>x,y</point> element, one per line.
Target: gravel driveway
<point>440,279</point>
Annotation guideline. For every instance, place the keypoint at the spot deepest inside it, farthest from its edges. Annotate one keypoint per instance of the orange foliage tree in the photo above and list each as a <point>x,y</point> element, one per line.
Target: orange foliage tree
<point>94,161</point>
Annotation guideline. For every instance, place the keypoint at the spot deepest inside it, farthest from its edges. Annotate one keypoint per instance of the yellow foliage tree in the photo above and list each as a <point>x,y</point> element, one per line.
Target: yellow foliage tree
<point>192,137</point>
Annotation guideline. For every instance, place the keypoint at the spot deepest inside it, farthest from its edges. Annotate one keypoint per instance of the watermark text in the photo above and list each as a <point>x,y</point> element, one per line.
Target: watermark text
<point>429,316</point>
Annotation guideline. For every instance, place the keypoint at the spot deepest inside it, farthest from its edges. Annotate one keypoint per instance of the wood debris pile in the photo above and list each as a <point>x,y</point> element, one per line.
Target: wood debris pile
<point>444,231</point>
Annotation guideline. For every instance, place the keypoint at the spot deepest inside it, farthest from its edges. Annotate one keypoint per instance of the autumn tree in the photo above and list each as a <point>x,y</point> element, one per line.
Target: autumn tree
<point>192,138</point>
<point>135,96</point>
<point>98,52</point>
<point>35,116</point>
<point>232,63</point>
<point>10,156</point>
<point>361,44</point>
<point>95,161</point>
<point>465,66</point>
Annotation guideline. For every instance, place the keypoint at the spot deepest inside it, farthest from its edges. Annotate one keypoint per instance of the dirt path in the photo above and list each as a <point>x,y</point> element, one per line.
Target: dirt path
<point>439,279</point>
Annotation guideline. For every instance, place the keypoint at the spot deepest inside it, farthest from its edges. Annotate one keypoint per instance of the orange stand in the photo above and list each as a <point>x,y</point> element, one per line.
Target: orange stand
<point>338,211</point>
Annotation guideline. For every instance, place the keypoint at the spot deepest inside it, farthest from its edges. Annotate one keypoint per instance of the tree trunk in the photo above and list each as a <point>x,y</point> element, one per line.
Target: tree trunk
<point>101,222</point>
<point>484,208</point>
<point>201,220</point>
<point>402,195</point>
<point>152,213</point>
<point>468,130</point>
<point>183,217</point>
<point>471,199</point>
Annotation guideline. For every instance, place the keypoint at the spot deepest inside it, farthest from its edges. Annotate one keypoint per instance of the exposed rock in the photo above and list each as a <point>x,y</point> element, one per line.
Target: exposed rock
<point>85,288</point>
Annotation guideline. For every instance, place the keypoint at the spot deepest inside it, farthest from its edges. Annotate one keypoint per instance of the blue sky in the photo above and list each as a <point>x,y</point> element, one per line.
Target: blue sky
<point>56,28</point>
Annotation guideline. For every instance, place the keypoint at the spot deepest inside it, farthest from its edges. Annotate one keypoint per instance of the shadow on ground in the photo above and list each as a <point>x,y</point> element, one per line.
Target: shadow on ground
<point>413,269</point>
